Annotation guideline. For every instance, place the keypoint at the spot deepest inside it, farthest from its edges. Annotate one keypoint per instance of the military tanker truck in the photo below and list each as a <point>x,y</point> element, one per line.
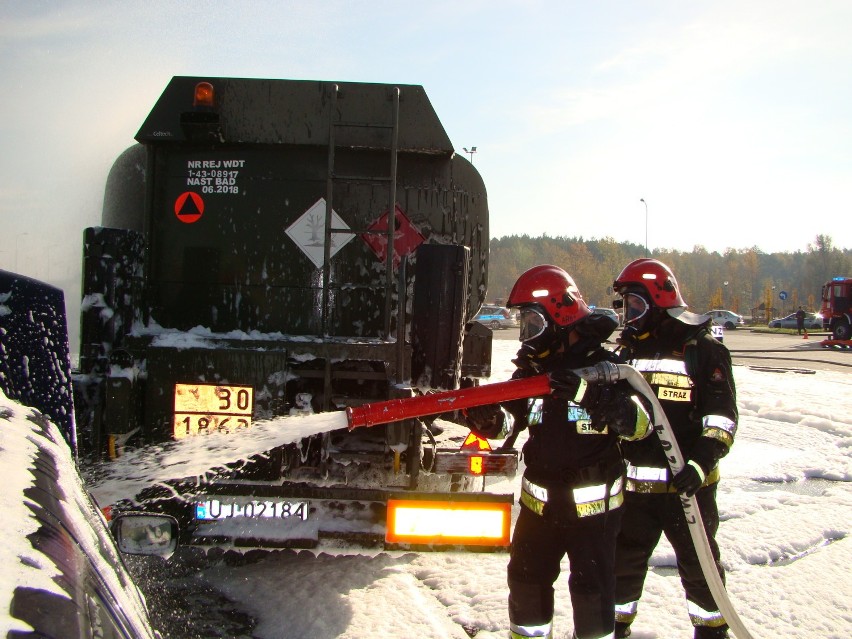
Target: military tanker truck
<point>277,247</point>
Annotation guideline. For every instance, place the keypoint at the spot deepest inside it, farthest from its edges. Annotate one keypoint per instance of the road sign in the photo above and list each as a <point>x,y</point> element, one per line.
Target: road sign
<point>782,295</point>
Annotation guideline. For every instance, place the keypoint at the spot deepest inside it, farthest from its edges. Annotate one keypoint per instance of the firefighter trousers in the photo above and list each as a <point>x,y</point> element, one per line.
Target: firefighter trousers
<point>646,517</point>
<point>538,546</point>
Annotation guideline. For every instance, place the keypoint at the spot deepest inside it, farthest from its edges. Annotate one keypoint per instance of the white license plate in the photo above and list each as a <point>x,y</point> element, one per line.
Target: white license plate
<point>205,408</point>
<point>218,510</point>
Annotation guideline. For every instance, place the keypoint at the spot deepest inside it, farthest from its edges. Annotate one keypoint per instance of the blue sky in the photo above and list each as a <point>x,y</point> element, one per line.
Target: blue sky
<point>731,119</point>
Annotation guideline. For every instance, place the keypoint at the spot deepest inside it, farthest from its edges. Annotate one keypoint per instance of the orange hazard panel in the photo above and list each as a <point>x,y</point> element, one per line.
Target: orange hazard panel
<point>448,522</point>
<point>474,442</point>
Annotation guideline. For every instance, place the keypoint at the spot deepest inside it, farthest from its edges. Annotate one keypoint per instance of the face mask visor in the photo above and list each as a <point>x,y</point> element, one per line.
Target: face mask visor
<point>636,307</point>
<point>533,324</point>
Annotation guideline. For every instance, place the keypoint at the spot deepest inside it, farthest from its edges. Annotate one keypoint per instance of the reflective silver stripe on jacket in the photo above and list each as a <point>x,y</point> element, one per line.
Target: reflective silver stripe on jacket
<point>588,494</point>
<point>668,376</point>
<point>523,632</point>
<point>719,427</point>
<point>626,612</point>
<point>539,492</point>
<point>646,473</point>
<point>589,500</point>
<point>701,617</point>
<point>648,479</point>
<point>643,421</point>
<point>677,366</point>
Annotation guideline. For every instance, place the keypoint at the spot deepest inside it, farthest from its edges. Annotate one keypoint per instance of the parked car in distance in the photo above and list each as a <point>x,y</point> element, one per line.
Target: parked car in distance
<point>497,317</point>
<point>812,321</point>
<point>727,319</point>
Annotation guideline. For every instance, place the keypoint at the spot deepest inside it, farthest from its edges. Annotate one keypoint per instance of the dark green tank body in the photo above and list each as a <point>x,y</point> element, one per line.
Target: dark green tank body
<point>245,244</point>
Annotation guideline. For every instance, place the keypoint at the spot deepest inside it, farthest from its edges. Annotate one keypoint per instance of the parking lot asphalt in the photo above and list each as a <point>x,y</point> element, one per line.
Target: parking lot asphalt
<point>764,348</point>
<point>787,350</point>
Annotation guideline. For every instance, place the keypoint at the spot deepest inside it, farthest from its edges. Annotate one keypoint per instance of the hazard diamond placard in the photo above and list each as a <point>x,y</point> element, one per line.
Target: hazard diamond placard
<point>308,232</point>
<point>406,237</point>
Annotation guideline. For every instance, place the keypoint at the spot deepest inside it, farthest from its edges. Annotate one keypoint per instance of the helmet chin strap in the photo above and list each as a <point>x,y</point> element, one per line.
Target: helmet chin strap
<point>635,332</point>
<point>544,346</point>
<point>552,346</point>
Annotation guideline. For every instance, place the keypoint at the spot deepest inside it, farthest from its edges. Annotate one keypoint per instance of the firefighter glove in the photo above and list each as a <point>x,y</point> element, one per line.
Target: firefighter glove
<point>689,480</point>
<point>564,384</point>
<point>527,362</point>
<point>614,408</point>
<point>486,421</point>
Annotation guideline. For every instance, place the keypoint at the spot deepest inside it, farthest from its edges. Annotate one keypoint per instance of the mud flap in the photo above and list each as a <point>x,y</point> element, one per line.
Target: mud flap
<point>440,300</point>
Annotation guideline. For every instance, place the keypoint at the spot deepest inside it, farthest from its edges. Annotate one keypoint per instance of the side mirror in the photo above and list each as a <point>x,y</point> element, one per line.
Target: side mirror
<point>146,533</point>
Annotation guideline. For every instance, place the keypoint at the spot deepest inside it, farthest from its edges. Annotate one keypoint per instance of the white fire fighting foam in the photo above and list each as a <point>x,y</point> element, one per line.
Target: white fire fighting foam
<point>141,468</point>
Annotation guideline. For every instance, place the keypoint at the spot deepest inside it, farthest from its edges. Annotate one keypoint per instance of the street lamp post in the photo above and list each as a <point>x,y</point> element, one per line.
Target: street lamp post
<point>642,199</point>
<point>470,152</point>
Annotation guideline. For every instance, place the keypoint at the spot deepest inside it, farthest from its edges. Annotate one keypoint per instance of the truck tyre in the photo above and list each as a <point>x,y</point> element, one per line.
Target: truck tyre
<point>841,330</point>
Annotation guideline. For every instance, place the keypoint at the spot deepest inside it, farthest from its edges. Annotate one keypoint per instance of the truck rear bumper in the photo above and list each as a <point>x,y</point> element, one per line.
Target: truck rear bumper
<point>304,516</point>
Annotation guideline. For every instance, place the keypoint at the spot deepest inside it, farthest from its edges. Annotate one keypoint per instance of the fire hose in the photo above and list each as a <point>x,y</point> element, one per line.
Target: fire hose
<point>394,410</point>
<point>539,385</point>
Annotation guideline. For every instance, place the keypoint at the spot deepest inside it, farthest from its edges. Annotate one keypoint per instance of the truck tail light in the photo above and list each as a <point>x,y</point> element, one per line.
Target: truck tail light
<point>475,463</point>
<point>448,523</point>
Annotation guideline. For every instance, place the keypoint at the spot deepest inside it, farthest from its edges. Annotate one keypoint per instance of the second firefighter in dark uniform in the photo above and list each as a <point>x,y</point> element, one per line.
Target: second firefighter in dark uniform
<point>572,488</point>
<point>690,374</point>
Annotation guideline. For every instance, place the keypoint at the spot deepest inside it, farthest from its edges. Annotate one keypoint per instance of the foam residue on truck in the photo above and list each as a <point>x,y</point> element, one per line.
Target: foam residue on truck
<point>286,247</point>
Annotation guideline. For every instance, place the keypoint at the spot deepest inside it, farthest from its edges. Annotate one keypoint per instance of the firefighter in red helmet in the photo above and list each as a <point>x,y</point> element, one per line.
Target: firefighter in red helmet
<point>690,373</point>
<point>571,491</point>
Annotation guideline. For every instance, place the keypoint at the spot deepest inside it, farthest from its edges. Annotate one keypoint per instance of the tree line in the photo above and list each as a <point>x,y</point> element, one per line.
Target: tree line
<point>746,281</point>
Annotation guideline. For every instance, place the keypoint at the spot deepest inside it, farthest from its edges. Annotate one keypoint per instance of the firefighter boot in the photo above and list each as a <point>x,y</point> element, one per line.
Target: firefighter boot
<point>622,630</point>
<point>516,635</point>
<point>706,632</point>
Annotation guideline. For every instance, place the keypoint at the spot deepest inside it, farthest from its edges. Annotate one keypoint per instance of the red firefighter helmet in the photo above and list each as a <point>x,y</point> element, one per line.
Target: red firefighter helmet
<point>655,278</point>
<point>553,291</point>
